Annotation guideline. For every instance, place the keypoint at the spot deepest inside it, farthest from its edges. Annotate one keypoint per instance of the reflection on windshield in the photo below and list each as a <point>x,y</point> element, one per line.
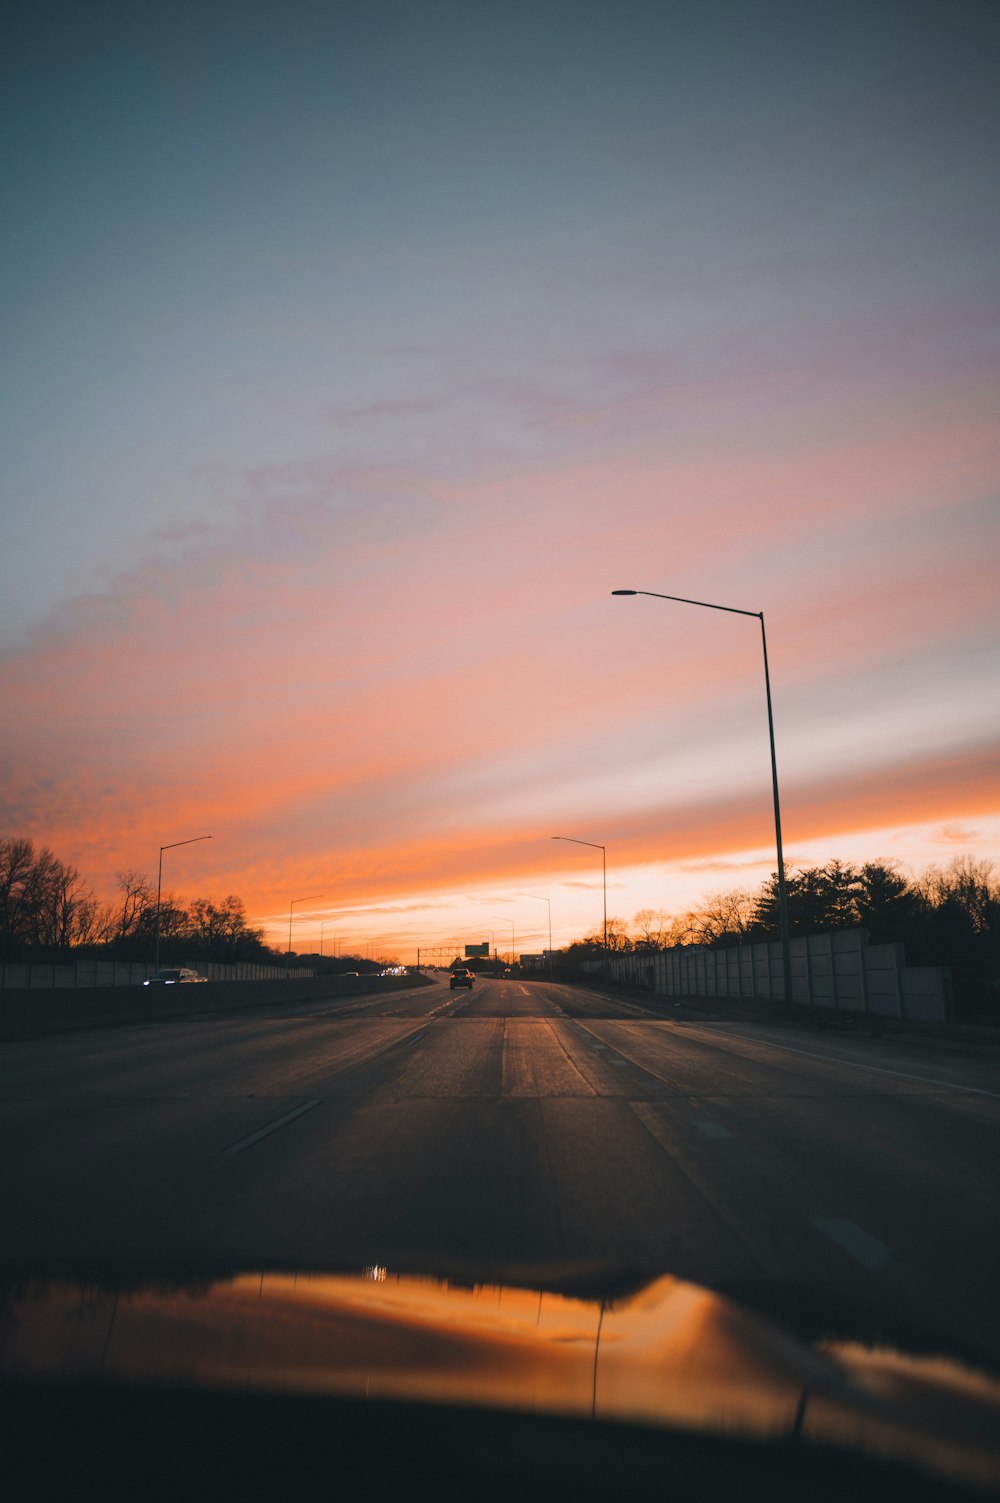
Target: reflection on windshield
<point>672,1355</point>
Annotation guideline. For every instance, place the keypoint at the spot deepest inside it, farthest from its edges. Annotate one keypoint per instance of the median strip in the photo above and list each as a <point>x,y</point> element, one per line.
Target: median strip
<point>275,1126</point>
<point>863,1248</point>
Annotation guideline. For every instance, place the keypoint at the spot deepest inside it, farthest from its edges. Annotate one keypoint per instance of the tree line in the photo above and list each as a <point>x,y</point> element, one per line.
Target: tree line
<point>48,912</point>
<point>945,916</point>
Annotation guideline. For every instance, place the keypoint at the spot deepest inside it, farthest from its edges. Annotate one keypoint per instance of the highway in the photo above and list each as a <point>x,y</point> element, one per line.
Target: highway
<point>521,1130</point>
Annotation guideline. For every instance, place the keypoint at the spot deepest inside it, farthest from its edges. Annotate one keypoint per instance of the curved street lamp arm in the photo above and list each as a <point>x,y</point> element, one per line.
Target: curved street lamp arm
<point>192,840</point>
<point>682,600</point>
<point>310,898</point>
<point>786,962</point>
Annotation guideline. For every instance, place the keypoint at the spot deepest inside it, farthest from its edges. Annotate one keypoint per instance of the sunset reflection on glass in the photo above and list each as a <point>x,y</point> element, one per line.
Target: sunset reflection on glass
<point>672,1355</point>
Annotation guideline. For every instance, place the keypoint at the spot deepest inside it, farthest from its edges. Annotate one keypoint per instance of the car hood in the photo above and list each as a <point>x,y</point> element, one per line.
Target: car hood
<point>669,1355</point>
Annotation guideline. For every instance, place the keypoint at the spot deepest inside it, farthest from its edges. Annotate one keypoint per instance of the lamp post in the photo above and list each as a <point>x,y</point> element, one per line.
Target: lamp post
<point>493,941</point>
<point>604,876</point>
<point>786,953</point>
<point>159,885</point>
<point>312,898</point>
<point>540,898</point>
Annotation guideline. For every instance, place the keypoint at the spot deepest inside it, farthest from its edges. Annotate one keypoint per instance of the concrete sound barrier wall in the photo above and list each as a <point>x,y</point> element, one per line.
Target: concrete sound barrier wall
<point>838,969</point>
<point>33,1013</point>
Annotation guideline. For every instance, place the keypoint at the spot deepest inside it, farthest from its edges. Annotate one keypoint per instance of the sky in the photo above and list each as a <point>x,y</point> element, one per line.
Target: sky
<point>352,354</point>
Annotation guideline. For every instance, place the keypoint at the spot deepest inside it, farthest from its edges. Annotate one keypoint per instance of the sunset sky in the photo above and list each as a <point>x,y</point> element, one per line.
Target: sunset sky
<point>352,354</point>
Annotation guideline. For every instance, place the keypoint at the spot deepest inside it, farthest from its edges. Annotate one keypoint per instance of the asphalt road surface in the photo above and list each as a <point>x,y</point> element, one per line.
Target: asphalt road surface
<point>520,1130</point>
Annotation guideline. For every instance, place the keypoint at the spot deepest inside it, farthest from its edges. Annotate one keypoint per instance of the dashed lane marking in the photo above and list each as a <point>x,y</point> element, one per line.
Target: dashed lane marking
<point>275,1126</point>
<point>713,1129</point>
<point>862,1247</point>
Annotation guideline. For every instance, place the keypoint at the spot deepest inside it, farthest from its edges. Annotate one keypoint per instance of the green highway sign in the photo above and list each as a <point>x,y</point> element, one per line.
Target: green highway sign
<point>483,949</point>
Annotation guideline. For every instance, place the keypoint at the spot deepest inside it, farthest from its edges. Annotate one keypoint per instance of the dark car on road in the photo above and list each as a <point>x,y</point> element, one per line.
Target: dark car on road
<point>462,977</point>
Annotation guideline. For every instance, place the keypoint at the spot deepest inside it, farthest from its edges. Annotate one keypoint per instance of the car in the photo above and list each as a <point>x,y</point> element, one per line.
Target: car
<point>462,977</point>
<point>172,976</point>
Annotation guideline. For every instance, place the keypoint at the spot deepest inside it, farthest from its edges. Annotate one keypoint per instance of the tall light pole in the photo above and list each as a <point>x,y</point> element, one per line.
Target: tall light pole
<point>493,942</point>
<point>312,898</point>
<point>786,953</point>
<point>159,885</point>
<point>604,875</point>
<point>540,898</point>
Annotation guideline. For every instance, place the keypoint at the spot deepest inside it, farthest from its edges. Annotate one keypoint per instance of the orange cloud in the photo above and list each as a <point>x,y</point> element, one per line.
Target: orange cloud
<point>380,711</point>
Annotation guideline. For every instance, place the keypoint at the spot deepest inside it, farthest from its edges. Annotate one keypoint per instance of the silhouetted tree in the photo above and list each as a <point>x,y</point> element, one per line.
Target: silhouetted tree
<point>44,904</point>
<point>887,904</point>
<point>127,926</point>
<point>651,927</point>
<point>726,918</point>
<point>960,927</point>
<point>819,898</point>
<point>219,931</point>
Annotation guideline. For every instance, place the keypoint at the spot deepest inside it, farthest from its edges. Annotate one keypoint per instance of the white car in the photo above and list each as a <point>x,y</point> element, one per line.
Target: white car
<point>172,976</point>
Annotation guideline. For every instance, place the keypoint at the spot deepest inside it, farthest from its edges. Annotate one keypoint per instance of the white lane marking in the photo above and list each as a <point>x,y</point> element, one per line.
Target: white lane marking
<point>713,1129</point>
<point>414,1038</point>
<point>835,1059</point>
<point>863,1248</point>
<point>275,1126</point>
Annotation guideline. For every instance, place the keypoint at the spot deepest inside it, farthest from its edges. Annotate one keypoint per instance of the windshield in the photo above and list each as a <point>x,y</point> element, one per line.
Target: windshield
<point>626,375</point>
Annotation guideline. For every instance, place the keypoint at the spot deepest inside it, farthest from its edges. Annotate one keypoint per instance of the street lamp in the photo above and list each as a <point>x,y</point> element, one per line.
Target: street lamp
<point>312,898</point>
<point>604,871</point>
<point>513,941</point>
<point>540,898</point>
<point>159,884</point>
<point>786,953</point>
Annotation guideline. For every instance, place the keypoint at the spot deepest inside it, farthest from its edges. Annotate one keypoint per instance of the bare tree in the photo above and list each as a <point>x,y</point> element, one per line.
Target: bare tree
<point>725,917</point>
<point>130,919</point>
<point>17,860</point>
<point>219,930</point>
<point>44,904</point>
<point>970,886</point>
<point>651,927</point>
